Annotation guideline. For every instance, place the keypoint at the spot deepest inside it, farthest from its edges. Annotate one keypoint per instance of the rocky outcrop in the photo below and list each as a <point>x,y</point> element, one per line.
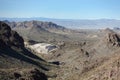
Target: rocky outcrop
<point>111,38</point>
<point>9,38</point>
<point>13,55</point>
<point>108,43</point>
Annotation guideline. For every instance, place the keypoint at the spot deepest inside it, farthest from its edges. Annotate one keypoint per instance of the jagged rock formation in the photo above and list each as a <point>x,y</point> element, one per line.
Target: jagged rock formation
<point>13,55</point>
<point>113,39</point>
<point>108,43</point>
<point>94,62</point>
<point>9,38</point>
<point>89,59</point>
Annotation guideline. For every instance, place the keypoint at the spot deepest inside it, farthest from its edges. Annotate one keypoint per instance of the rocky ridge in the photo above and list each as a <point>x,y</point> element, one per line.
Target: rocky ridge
<point>16,62</point>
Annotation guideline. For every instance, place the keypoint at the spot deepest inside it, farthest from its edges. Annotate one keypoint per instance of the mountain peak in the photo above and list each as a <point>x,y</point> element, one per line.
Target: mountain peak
<point>9,38</point>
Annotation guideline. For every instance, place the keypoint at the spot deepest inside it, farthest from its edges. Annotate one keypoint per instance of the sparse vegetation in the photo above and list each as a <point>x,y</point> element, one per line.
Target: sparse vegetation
<point>81,54</point>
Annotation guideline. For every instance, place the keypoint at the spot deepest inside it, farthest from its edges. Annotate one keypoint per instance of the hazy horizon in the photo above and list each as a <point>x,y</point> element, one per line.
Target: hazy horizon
<point>60,9</point>
<point>59,18</point>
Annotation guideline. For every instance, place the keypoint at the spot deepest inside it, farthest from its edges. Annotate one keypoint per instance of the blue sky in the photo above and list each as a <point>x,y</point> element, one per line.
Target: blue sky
<point>63,9</point>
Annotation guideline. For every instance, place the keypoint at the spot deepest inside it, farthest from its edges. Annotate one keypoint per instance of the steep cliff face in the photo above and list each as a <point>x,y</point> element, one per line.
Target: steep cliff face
<point>9,38</point>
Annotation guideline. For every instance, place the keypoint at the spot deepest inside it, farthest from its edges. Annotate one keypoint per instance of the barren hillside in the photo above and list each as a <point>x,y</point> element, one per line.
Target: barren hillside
<point>16,62</point>
<point>83,54</point>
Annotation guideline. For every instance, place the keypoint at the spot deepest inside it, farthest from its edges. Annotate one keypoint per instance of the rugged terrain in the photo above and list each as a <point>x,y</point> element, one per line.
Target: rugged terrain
<point>49,32</point>
<point>38,30</point>
<point>85,54</point>
<point>16,62</point>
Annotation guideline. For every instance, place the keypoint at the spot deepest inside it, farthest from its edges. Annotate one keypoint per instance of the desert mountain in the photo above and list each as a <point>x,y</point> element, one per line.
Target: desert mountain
<point>16,62</point>
<point>48,26</point>
<point>81,55</point>
<point>82,61</point>
<point>75,24</point>
<point>49,32</point>
<point>32,30</point>
<point>108,43</point>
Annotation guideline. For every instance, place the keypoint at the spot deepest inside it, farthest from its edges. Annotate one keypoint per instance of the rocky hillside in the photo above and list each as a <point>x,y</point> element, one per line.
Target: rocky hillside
<point>16,62</point>
<point>109,70</point>
<point>90,55</point>
<point>9,38</point>
<point>32,29</point>
<point>28,24</point>
<point>95,60</point>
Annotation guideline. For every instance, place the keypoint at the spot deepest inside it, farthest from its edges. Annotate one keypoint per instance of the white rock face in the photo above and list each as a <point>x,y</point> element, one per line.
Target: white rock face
<point>43,48</point>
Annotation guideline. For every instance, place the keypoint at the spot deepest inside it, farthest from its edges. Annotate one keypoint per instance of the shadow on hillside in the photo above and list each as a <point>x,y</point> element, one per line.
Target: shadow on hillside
<point>31,55</point>
<point>25,56</point>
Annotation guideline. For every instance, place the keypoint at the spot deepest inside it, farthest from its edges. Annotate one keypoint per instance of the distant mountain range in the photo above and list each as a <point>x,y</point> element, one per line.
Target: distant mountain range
<point>38,30</point>
<point>74,23</point>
